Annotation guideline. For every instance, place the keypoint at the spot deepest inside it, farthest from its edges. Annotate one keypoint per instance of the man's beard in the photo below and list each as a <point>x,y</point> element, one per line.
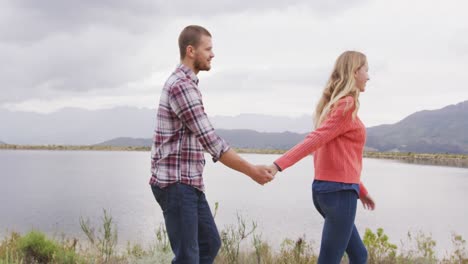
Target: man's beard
<point>198,65</point>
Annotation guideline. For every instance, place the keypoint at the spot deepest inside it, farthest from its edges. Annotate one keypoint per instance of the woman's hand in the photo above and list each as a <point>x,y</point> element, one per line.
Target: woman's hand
<point>272,169</point>
<point>368,202</point>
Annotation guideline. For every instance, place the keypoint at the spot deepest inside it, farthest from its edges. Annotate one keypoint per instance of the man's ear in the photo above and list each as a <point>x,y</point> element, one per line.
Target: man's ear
<point>190,51</point>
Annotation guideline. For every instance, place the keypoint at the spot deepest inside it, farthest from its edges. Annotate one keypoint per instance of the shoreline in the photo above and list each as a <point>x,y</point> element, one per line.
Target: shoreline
<point>442,159</point>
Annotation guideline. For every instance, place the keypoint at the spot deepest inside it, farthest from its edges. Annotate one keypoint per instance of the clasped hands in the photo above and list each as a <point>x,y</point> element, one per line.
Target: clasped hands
<point>262,173</point>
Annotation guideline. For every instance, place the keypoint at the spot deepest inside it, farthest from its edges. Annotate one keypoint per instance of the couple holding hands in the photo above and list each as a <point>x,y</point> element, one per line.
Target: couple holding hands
<point>183,133</point>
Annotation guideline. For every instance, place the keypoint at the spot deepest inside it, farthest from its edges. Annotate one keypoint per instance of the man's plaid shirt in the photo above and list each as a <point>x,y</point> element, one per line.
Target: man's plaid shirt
<point>183,131</point>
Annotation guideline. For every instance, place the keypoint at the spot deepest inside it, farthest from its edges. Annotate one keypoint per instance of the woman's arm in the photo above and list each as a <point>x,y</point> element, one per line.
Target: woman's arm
<point>336,124</point>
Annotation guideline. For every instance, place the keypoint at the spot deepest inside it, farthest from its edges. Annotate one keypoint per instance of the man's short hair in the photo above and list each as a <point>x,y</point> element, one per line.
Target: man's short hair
<point>191,36</point>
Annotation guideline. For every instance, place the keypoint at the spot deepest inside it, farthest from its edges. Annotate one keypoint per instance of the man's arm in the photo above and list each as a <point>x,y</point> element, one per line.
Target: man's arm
<point>188,106</point>
<point>260,174</point>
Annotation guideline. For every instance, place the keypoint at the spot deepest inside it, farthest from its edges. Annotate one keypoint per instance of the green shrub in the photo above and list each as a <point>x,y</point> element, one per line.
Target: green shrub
<point>423,252</point>
<point>35,247</point>
<point>459,254</point>
<point>379,249</point>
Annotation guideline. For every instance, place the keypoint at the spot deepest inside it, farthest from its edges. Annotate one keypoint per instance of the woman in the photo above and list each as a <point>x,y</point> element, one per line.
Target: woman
<point>337,144</point>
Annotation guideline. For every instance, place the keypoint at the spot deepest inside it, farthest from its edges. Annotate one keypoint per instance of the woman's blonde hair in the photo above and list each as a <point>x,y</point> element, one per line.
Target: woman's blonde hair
<point>340,84</point>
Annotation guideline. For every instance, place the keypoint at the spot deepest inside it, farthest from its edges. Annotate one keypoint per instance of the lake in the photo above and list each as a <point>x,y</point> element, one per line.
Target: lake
<point>51,190</point>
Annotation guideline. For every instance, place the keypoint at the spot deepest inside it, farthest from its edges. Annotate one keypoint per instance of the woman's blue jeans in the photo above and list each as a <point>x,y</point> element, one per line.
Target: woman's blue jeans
<point>339,232</point>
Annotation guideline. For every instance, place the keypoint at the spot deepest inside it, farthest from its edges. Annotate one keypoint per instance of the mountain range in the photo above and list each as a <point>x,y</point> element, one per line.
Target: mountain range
<point>442,130</point>
<point>240,138</point>
<point>73,126</point>
<point>437,131</point>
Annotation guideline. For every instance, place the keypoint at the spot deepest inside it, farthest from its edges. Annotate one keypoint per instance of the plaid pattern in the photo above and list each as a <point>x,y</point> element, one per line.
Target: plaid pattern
<point>183,131</point>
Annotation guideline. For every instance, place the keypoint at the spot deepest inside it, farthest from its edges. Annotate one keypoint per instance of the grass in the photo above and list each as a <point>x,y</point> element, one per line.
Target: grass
<point>240,244</point>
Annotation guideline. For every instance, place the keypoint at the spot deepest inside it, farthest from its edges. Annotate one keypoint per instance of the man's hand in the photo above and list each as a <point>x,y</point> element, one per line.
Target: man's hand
<point>368,202</point>
<point>261,174</point>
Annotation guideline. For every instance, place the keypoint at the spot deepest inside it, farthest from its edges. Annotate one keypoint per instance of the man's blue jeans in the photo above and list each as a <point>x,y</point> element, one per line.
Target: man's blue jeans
<point>190,225</point>
<point>339,232</point>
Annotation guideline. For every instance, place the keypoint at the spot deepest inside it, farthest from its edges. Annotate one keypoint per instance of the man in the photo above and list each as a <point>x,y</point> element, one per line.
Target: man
<point>183,131</point>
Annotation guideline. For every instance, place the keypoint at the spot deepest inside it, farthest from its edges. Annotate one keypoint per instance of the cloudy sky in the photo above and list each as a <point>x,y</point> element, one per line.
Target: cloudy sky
<point>272,56</point>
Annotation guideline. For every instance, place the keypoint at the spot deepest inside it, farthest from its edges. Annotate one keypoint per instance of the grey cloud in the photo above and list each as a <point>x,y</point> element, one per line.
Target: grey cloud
<point>39,19</point>
<point>55,47</point>
<point>264,80</point>
<point>214,7</point>
<point>29,20</point>
<point>71,64</point>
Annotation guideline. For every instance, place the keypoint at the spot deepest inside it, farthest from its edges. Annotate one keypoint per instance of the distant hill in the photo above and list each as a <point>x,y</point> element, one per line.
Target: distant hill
<point>2,143</point>
<point>73,126</point>
<point>239,138</point>
<point>443,130</point>
<point>127,142</point>
<point>435,131</point>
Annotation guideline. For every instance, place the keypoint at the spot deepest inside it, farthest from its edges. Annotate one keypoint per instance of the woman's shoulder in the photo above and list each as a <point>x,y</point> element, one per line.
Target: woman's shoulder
<point>347,99</point>
<point>345,102</point>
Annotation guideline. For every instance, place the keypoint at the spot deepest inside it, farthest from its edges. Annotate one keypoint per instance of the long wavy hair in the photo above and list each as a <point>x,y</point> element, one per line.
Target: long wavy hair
<point>340,84</point>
